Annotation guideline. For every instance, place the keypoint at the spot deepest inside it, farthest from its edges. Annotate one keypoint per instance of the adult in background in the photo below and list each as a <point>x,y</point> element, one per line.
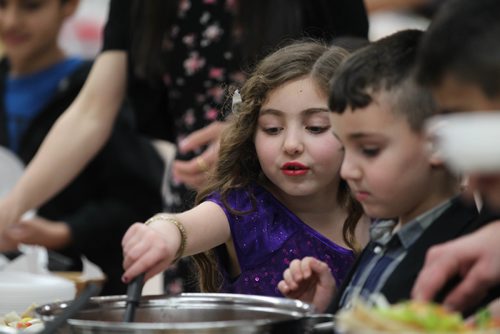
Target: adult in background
<point>171,59</point>
<point>460,61</point>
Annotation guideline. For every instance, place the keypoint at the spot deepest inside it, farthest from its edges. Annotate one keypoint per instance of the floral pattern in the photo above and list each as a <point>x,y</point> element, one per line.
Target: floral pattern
<point>201,65</point>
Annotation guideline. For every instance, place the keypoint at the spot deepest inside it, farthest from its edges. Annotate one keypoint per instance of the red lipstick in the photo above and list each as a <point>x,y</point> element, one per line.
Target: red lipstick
<point>294,169</point>
<point>361,195</point>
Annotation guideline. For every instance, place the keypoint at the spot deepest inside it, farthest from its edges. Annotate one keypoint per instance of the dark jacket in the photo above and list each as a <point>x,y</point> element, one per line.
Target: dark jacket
<point>459,219</point>
<point>120,186</point>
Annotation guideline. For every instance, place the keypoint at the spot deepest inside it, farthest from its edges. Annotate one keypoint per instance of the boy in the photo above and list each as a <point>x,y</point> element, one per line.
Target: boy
<point>378,114</point>
<point>459,60</point>
<point>120,186</point>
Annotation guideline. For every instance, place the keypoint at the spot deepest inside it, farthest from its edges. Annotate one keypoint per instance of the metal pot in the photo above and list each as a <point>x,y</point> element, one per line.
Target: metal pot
<point>192,313</point>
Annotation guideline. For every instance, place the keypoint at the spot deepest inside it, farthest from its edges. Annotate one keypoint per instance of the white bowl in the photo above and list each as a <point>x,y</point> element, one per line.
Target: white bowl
<point>469,142</point>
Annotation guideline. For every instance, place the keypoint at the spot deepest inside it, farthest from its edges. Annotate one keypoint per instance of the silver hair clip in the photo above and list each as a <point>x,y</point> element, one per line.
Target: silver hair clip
<point>236,101</point>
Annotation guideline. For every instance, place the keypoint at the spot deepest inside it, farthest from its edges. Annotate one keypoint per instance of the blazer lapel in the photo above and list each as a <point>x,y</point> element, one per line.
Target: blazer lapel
<point>457,220</point>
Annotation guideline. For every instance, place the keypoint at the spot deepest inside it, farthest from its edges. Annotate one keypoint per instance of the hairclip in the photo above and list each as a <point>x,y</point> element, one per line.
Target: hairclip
<point>236,101</point>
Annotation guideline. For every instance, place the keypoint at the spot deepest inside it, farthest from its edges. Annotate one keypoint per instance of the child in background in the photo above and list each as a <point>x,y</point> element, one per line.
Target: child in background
<point>378,115</point>
<point>464,76</point>
<point>276,193</point>
<point>120,186</point>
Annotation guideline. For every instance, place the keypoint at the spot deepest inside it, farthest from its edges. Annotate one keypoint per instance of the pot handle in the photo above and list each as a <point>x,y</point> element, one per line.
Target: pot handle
<point>321,323</point>
<point>324,327</point>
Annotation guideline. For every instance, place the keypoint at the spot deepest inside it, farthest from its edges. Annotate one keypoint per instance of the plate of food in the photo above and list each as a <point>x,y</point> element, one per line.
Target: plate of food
<point>21,289</point>
<point>13,322</point>
<point>411,317</point>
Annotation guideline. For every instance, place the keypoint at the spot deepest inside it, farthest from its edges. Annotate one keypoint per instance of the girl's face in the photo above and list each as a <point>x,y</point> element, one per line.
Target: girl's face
<point>295,145</point>
<point>30,28</point>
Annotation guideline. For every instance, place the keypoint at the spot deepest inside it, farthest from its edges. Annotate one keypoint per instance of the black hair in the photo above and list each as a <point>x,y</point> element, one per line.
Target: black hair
<point>151,20</point>
<point>463,40</point>
<point>386,65</point>
<point>350,43</point>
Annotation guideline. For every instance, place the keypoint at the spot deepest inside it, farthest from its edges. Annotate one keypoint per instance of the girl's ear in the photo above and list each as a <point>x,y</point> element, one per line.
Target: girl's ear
<point>70,7</point>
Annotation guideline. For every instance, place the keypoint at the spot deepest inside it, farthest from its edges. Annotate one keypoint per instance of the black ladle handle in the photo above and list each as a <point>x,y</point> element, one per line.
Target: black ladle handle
<point>76,305</point>
<point>134,292</point>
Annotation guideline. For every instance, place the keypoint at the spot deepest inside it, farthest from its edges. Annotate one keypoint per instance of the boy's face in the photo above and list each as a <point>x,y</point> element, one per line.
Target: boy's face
<point>386,163</point>
<point>454,95</point>
<point>29,28</point>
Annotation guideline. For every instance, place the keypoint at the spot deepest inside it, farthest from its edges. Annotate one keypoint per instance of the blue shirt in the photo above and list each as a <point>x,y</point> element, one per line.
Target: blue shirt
<point>27,95</point>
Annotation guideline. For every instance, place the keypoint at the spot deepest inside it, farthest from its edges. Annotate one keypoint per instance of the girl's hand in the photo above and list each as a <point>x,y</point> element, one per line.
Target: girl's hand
<point>149,249</point>
<point>310,281</point>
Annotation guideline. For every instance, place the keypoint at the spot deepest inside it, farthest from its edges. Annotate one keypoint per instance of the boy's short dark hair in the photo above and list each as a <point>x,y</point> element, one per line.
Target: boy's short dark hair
<point>464,40</point>
<point>385,65</point>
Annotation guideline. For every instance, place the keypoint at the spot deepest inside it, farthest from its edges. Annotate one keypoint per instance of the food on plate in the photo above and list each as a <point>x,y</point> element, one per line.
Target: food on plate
<point>410,317</point>
<point>25,321</point>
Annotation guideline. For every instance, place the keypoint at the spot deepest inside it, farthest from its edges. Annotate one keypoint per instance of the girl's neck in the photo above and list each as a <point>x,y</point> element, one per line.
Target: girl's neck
<point>321,212</point>
<point>320,203</point>
<point>36,64</point>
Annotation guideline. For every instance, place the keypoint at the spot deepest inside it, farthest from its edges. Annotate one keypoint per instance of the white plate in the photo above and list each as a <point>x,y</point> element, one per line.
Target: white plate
<point>469,142</point>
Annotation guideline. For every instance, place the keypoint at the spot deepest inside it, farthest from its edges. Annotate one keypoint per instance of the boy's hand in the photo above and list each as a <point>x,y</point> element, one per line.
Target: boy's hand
<point>310,281</point>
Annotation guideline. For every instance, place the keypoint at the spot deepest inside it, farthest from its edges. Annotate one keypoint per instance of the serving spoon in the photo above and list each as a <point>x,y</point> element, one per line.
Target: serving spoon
<point>134,292</point>
<point>76,305</point>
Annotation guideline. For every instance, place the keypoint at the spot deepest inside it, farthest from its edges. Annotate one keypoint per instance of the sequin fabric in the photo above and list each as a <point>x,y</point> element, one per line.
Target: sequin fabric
<point>268,238</point>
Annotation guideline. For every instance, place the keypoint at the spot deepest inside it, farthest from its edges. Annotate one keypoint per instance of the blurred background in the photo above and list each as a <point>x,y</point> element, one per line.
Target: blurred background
<point>82,33</point>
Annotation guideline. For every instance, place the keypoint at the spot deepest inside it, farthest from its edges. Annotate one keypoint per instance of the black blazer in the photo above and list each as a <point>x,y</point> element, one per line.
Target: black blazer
<point>459,219</point>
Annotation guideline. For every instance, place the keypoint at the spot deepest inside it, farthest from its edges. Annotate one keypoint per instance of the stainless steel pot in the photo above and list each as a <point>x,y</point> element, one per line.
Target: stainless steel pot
<point>192,313</point>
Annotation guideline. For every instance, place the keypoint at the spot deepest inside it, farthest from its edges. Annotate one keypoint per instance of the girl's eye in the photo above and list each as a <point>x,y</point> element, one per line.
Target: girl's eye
<point>370,151</point>
<point>272,130</point>
<point>318,129</point>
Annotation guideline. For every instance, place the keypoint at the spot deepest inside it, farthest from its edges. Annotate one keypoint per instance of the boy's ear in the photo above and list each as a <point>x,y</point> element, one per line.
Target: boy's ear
<point>70,7</point>
<point>435,158</point>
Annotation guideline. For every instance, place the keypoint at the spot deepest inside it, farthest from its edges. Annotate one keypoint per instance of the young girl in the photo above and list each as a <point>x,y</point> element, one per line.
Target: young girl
<point>275,194</point>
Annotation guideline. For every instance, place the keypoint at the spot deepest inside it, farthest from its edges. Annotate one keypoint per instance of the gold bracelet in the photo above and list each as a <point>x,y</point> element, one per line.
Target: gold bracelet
<point>182,230</point>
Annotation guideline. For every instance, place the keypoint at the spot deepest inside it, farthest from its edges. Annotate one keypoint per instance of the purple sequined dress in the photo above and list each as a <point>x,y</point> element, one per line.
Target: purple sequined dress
<point>268,238</point>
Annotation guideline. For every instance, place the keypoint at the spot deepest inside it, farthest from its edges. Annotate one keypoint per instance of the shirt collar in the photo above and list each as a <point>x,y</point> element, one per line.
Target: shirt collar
<point>381,231</point>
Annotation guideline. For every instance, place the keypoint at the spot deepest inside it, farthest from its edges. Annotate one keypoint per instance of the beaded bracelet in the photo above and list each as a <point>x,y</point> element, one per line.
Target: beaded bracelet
<point>182,230</point>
